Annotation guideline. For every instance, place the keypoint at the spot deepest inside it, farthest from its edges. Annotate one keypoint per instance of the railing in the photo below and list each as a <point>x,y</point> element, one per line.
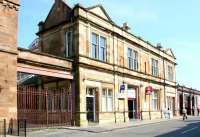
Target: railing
<point>44,108</point>
<point>3,128</point>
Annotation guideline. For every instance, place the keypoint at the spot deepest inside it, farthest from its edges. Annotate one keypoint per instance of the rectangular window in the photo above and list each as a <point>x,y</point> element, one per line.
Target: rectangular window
<point>154,67</point>
<point>98,47</point>
<point>110,101</point>
<point>68,44</point>
<point>132,59</point>
<point>154,100</point>
<point>95,44</point>
<point>135,60</point>
<point>104,102</point>
<point>102,50</point>
<point>107,100</point>
<point>170,73</point>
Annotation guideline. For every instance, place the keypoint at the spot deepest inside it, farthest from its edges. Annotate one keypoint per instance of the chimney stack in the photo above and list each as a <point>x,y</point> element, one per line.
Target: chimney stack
<point>126,27</point>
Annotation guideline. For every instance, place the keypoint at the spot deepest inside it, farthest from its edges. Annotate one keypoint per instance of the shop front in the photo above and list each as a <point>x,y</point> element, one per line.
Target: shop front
<point>132,102</point>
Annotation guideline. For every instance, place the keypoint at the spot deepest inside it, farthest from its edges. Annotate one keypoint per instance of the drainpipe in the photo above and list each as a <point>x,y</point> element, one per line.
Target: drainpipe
<point>114,80</point>
<point>164,82</point>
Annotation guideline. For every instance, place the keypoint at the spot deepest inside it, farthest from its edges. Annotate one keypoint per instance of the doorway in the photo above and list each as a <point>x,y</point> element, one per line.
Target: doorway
<point>90,109</point>
<point>132,108</point>
<point>91,104</point>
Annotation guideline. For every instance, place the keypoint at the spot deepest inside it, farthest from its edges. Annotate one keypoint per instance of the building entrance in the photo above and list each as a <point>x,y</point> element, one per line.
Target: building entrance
<point>132,108</point>
<point>90,105</point>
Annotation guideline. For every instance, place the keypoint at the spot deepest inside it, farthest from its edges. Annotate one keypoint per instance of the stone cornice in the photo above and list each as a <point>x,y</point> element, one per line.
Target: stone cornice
<point>10,4</point>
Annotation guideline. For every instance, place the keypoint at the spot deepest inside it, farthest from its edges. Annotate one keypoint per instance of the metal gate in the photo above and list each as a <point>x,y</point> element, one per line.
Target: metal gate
<point>44,107</point>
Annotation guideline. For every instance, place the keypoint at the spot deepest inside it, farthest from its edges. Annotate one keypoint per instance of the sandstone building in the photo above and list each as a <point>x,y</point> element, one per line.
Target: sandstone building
<point>8,58</point>
<point>114,70</point>
<point>98,71</point>
<point>189,99</point>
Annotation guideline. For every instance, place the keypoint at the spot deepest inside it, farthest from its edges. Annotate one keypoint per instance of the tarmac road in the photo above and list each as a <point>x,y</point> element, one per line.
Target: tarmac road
<point>172,128</point>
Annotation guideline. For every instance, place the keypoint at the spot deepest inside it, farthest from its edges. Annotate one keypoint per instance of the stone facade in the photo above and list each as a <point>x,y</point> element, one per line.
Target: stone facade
<point>92,75</point>
<point>8,57</point>
<point>189,99</point>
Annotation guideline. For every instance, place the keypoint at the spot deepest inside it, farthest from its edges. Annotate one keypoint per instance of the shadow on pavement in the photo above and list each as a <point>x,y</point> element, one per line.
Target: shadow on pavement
<point>192,129</point>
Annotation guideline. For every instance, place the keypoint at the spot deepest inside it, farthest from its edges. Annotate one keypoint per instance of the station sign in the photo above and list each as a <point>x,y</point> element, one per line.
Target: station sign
<point>122,93</point>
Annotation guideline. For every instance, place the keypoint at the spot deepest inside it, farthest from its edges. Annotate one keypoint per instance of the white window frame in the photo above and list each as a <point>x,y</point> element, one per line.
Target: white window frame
<point>106,98</point>
<point>154,67</point>
<point>132,59</point>
<point>170,73</point>
<point>155,101</point>
<point>99,47</point>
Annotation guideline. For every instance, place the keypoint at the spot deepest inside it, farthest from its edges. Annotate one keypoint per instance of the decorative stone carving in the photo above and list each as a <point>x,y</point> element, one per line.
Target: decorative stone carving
<point>10,4</point>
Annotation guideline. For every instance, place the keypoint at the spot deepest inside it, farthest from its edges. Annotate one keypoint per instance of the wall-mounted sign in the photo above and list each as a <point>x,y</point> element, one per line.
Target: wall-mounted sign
<point>131,93</point>
<point>122,90</point>
<point>148,90</point>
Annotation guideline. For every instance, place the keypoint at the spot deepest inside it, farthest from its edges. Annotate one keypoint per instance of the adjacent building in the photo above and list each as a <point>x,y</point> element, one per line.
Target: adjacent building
<point>189,99</point>
<point>117,75</point>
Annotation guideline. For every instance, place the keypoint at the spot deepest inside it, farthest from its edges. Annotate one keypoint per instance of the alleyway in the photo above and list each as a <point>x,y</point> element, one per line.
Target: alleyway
<point>173,128</point>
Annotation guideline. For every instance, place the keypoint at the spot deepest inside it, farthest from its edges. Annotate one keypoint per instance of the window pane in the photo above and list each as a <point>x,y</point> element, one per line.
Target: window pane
<point>102,42</point>
<point>94,38</point>
<point>110,101</point>
<point>94,51</point>
<point>130,59</point>
<point>110,104</point>
<point>104,100</point>
<point>135,59</point>
<point>154,100</point>
<point>94,45</point>
<point>102,52</point>
<point>154,67</point>
<point>68,44</point>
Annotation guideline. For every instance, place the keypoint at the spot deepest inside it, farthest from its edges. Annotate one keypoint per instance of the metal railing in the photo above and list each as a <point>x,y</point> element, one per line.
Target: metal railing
<point>3,128</point>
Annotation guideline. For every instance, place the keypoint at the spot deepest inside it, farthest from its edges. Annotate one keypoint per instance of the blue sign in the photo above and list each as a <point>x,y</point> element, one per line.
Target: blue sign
<point>122,88</point>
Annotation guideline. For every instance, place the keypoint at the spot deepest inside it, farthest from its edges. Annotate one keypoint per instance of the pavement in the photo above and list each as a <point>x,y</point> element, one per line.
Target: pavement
<point>174,127</point>
<point>115,126</point>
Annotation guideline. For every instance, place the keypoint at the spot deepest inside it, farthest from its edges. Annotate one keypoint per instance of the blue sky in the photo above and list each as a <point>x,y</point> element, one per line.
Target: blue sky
<point>174,23</point>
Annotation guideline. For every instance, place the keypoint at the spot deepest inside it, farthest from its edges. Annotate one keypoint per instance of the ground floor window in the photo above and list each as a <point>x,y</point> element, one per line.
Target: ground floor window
<point>154,101</point>
<point>107,100</point>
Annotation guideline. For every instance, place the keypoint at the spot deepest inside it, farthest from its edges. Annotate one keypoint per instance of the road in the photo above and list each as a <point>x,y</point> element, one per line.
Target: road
<point>174,128</point>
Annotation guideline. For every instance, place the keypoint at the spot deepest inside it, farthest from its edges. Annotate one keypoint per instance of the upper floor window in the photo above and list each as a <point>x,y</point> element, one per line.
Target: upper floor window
<point>68,43</point>
<point>170,73</point>
<point>154,67</point>
<point>95,44</point>
<point>98,47</point>
<point>102,51</point>
<point>132,59</point>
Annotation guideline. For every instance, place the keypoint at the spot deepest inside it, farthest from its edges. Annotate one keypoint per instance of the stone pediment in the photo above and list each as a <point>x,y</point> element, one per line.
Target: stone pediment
<point>100,11</point>
<point>170,52</point>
